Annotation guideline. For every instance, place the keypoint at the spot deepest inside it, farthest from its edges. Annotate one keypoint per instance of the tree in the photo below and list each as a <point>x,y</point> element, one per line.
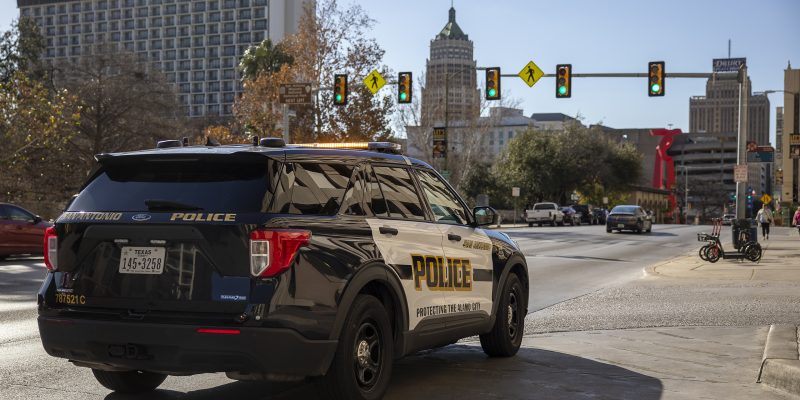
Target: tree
<point>126,105</point>
<point>263,58</point>
<point>549,166</point>
<point>21,49</point>
<point>35,127</point>
<point>465,136</point>
<point>330,39</point>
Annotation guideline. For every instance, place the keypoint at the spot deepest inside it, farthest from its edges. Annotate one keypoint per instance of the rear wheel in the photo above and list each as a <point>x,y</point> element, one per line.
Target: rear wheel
<point>362,365</point>
<point>530,224</point>
<point>553,222</point>
<point>129,381</point>
<point>713,254</point>
<point>505,338</point>
<point>608,230</point>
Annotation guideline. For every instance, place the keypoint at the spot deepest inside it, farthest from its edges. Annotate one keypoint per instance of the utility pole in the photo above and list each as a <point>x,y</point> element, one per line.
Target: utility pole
<point>741,155</point>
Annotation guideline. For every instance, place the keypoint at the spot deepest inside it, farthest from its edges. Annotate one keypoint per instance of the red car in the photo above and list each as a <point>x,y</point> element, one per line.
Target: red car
<point>21,231</point>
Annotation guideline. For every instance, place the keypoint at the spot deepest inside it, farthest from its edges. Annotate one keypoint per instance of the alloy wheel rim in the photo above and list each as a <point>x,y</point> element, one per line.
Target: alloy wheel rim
<point>513,315</point>
<point>367,355</point>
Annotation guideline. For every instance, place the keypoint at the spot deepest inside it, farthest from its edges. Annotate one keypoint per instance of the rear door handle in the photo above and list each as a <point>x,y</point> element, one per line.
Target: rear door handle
<point>453,237</point>
<point>388,231</point>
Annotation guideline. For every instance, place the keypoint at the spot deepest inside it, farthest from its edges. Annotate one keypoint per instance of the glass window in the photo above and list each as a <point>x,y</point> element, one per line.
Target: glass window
<point>15,214</point>
<point>312,188</point>
<point>230,185</point>
<point>446,207</point>
<point>397,189</point>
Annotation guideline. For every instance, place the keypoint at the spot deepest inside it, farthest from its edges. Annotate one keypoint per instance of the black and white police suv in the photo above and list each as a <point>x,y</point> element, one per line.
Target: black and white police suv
<point>269,261</point>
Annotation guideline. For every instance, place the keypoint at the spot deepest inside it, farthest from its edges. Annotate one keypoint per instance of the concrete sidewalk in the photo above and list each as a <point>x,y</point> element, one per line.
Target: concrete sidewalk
<point>780,262</point>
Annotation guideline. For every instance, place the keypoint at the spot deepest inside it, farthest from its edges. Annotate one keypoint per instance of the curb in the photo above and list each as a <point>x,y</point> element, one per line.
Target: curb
<point>780,366</point>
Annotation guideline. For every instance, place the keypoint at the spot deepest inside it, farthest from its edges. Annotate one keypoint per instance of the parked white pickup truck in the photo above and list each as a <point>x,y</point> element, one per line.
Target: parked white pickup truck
<point>544,213</point>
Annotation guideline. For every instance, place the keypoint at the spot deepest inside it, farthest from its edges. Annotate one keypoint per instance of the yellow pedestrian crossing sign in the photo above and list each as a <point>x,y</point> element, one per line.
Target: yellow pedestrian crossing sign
<point>531,73</point>
<point>374,81</point>
<point>766,199</point>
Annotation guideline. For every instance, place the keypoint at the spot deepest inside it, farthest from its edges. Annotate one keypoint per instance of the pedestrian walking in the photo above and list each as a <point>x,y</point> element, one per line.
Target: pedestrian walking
<point>764,217</point>
<point>796,219</point>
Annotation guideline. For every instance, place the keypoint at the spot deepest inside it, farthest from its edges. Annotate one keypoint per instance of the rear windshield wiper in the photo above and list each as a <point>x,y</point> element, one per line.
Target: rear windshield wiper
<point>154,205</point>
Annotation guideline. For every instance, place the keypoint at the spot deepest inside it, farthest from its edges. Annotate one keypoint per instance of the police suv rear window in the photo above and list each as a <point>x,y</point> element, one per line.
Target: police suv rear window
<point>312,188</point>
<point>169,185</point>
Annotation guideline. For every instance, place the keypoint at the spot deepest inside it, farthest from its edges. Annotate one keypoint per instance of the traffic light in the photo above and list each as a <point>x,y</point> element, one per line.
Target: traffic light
<point>339,89</point>
<point>404,84</point>
<point>493,83</point>
<point>655,85</point>
<point>563,81</point>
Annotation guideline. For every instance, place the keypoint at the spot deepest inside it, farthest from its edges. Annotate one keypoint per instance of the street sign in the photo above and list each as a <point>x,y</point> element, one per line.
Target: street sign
<point>760,154</point>
<point>439,142</point>
<point>294,93</point>
<point>766,199</point>
<point>728,64</point>
<point>740,173</point>
<point>531,73</point>
<point>374,81</point>
<point>605,200</point>
<point>514,192</point>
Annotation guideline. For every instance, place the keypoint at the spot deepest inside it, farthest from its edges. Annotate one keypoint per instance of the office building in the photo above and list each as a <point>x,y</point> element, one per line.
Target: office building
<point>791,135</point>
<point>197,44</point>
<point>451,89</point>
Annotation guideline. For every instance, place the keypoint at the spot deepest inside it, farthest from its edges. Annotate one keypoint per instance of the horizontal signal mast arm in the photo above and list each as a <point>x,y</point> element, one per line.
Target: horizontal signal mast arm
<point>704,75</point>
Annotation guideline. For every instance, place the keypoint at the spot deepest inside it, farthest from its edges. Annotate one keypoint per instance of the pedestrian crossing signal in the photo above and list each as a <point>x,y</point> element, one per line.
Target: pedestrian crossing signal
<point>655,85</point>
<point>339,89</point>
<point>493,83</point>
<point>563,81</point>
<point>404,84</point>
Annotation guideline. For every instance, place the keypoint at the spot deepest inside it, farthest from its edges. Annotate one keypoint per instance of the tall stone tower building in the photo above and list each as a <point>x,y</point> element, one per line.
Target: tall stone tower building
<point>451,90</point>
<point>718,111</point>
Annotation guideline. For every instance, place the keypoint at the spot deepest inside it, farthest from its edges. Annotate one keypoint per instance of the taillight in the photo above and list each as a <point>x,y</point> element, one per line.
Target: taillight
<point>51,249</point>
<point>272,250</point>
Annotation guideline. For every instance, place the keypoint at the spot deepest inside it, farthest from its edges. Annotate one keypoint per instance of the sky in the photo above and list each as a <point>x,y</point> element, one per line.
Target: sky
<point>595,36</point>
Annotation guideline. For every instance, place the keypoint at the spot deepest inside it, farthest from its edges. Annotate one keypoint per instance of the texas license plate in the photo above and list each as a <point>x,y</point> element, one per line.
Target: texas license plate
<point>142,260</point>
<point>620,225</point>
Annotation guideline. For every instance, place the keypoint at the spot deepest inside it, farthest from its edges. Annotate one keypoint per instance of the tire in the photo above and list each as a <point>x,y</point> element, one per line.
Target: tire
<point>713,254</point>
<point>639,227</point>
<point>703,252</point>
<point>530,224</point>
<point>553,222</point>
<point>539,224</point>
<point>753,252</point>
<point>356,373</point>
<point>608,230</point>
<point>129,381</point>
<point>505,338</point>
<point>3,258</point>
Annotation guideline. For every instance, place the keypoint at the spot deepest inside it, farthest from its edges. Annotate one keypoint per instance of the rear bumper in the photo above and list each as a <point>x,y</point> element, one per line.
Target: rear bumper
<point>179,349</point>
<point>625,225</point>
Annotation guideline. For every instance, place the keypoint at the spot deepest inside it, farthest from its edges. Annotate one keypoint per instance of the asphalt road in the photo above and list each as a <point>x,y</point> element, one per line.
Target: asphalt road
<point>564,262</point>
<point>568,262</point>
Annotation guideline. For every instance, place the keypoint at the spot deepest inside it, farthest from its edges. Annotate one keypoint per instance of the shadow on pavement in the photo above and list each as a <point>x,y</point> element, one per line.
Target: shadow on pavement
<point>463,372</point>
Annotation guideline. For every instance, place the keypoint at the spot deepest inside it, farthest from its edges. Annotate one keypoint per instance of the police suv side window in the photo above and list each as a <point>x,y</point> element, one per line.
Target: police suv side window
<point>399,193</point>
<point>352,203</point>
<point>309,188</point>
<point>445,206</point>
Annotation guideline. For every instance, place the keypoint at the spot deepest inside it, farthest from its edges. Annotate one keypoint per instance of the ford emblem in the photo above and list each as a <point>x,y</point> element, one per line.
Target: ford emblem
<point>141,217</point>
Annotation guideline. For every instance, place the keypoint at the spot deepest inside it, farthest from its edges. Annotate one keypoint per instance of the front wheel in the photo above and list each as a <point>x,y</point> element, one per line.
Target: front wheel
<point>129,381</point>
<point>505,338</point>
<point>530,224</point>
<point>362,365</point>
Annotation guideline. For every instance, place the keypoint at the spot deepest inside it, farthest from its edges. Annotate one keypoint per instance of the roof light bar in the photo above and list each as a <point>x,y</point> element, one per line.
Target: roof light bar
<point>374,146</point>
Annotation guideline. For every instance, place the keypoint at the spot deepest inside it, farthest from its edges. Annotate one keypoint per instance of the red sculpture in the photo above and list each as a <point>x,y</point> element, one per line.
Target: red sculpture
<point>659,180</point>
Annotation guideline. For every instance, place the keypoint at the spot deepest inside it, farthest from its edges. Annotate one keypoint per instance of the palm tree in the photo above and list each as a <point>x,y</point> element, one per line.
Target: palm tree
<point>262,58</point>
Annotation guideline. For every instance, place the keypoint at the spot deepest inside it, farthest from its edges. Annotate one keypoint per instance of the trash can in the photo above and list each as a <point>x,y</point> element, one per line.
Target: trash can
<point>745,224</point>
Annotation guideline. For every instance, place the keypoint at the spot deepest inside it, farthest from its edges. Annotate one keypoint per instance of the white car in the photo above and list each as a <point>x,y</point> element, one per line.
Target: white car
<point>544,213</point>
<point>728,219</point>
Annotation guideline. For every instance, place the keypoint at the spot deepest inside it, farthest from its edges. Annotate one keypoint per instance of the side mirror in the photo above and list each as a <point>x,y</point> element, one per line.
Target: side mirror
<point>484,216</point>
<point>36,219</point>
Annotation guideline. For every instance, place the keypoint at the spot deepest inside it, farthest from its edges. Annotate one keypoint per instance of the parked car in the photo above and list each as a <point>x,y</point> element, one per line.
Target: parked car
<point>21,231</point>
<point>586,214</point>
<point>727,219</point>
<point>600,215</point>
<point>571,216</point>
<point>544,213</point>
<point>629,217</point>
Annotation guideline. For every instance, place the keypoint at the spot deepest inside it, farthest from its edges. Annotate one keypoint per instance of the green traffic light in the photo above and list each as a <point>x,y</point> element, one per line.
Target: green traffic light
<point>403,96</point>
<point>562,90</point>
<point>655,88</point>
<point>338,97</point>
<point>492,92</point>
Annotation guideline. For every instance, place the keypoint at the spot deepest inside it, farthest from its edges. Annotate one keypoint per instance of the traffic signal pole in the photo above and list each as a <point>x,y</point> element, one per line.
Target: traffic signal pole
<point>741,155</point>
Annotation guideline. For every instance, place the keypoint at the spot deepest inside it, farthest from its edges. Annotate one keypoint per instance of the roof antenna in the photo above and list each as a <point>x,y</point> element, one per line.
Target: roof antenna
<point>729,48</point>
